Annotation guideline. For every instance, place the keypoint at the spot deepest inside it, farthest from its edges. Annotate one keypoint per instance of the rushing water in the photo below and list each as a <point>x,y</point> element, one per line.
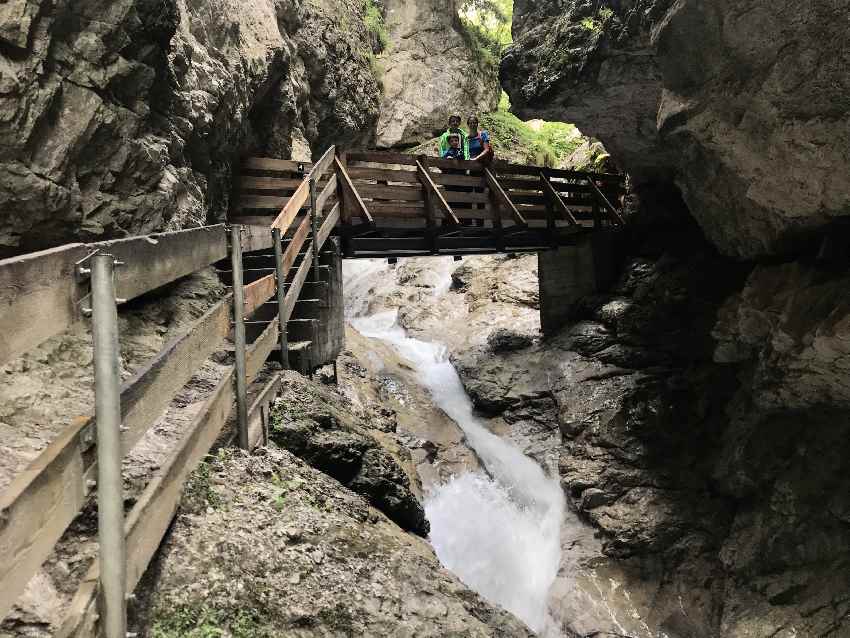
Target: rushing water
<point>499,531</point>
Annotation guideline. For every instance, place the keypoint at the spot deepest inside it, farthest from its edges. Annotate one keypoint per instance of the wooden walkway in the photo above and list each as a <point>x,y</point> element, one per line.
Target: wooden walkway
<point>399,205</point>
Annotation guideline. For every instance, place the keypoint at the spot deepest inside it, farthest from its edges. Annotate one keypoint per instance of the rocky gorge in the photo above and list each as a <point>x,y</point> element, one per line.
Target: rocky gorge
<point>695,413</point>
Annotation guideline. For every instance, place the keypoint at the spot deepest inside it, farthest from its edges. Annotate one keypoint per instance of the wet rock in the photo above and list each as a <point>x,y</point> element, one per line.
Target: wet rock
<point>314,423</point>
<point>702,95</point>
<point>287,551</point>
<point>123,117</point>
<point>505,340</point>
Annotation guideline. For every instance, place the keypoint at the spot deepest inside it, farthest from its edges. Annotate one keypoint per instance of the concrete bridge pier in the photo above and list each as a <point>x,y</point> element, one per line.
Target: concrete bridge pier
<point>568,273</point>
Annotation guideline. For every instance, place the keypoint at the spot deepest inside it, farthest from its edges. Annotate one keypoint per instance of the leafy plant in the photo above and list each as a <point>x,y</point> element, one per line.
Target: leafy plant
<point>373,17</point>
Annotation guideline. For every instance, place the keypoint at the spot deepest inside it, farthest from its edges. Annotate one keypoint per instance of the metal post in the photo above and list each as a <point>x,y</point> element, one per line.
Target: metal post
<point>110,486</point>
<point>239,335</point>
<point>314,229</point>
<point>281,298</point>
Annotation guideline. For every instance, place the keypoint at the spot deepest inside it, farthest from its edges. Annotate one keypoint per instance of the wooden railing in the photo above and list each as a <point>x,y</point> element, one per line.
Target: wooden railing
<point>512,206</point>
<point>308,203</point>
<point>42,501</point>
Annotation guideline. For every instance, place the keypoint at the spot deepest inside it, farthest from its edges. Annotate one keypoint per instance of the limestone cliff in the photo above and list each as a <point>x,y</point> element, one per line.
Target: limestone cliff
<point>123,117</point>
<point>743,104</point>
<point>429,71</point>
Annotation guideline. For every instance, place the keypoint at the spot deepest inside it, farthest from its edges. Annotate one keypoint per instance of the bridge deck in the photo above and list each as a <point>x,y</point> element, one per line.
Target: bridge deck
<point>399,205</point>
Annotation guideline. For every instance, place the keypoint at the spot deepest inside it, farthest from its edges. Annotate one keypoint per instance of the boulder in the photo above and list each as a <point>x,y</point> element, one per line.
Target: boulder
<point>315,423</point>
<point>127,117</point>
<point>428,72</point>
<point>742,104</point>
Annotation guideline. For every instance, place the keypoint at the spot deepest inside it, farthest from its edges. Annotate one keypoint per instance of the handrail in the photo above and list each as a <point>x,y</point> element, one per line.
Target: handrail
<point>431,187</point>
<point>353,191</point>
<point>556,198</point>
<point>612,212</point>
<point>503,196</point>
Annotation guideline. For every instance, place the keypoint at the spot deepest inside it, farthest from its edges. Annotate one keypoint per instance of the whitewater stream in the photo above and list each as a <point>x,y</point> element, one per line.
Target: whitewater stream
<point>498,530</point>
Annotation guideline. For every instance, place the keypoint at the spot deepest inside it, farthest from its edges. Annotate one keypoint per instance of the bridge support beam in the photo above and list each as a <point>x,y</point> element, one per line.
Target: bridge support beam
<point>569,273</point>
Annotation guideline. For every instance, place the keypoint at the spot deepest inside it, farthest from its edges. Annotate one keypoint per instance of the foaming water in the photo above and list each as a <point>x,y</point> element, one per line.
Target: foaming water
<point>500,531</point>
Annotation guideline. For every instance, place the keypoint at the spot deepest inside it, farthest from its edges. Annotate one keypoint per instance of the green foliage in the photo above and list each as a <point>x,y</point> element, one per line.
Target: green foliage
<point>199,491</point>
<point>375,25</point>
<point>504,102</point>
<point>518,141</point>
<point>487,28</point>
<point>596,24</point>
<point>189,622</point>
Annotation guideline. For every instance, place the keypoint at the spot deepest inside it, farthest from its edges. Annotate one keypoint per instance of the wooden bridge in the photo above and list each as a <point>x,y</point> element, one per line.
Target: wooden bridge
<point>399,205</point>
<point>286,298</point>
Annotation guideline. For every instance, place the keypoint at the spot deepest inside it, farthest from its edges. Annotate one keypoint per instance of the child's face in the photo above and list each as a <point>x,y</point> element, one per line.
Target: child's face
<point>454,142</point>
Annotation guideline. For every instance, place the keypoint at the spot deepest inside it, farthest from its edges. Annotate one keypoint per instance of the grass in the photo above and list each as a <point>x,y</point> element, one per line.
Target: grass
<point>519,141</point>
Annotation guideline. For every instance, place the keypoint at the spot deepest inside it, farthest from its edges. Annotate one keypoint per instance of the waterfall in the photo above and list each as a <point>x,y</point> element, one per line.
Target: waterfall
<point>498,531</point>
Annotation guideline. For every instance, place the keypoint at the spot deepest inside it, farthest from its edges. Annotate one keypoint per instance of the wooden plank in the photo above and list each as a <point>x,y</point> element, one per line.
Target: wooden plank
<point>446,179</point>
<point>146,394</point>
<point>42,501</point>
<point>328,225</point>
<point>328,192</point>
<point>502,197</point>
<point>256,236</point>
<point>294,289</point>
<point>533,171</point>
<point>290,255</point>
<point>430,187</point>
<point>259,351</point>
<point>155,260</point>
<point>150,518</point>
<point>360,209</point>
<point>290,210</point>
<point>262,202</point>
<point>258,413</point>
<point>556,200</point>
<point>278,165</point>
<point>39,297</point>
<point>259,292</point>
<point>382,157</point>
<point>526,198</point>
<point>613,213</point>
<point>464,196</point>
<point>379,191</point>
<point>268,183</point>
<point>383,174</point>
<point>321,167</point>
<point>38,506</point>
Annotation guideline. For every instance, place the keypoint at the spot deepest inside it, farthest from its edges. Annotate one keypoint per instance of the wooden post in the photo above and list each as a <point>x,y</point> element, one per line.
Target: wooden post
<point>430,215</point>
<point>314,228</point>
<point>551,226</point>
<point>498,230</point>
<point>345,213</point>
<point>281,298</point>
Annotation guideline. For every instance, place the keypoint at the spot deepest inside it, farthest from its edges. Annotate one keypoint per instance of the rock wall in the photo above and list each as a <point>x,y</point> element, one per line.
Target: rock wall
<point>429,71</point>
<point>743,104</point>
<point>124,117</point>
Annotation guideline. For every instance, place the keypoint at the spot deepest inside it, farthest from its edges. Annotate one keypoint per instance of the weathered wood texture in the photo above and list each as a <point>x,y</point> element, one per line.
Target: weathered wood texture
<point>42,501</point>
<point>155,260</point>
<point>259,292</point>
<point>39,297</point>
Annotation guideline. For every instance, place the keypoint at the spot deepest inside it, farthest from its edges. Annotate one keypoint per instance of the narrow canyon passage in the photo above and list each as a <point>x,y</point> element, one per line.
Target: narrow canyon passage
<point>498,528</point>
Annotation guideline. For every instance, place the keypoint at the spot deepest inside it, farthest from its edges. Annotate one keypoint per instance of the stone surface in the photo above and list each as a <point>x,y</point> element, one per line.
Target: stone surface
<point>743,104</point>
<point>428,72</point>
<point>316,424</point>
<point>126,117</point>
<point>265,545</point>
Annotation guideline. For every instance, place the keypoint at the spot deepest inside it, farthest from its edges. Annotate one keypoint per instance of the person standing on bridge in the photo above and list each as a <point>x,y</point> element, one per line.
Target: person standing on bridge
<point>478,141</point>
<point>454,151</point>
<point>454,129</point>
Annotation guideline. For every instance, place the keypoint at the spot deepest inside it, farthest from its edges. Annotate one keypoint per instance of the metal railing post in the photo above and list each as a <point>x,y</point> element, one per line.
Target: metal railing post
<point>281,298</point>
<point>239,335</point>
<point>110,485</point>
